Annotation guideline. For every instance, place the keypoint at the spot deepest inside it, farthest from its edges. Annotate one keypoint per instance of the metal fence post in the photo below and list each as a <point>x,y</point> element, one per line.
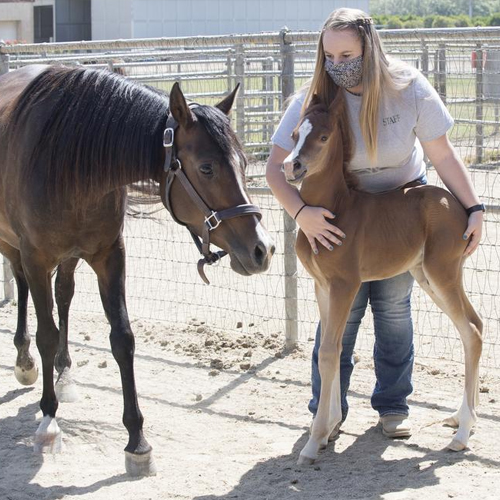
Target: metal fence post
<point>239,73</point>
<point>229,70</point>
<point>479,104</point>
<point>290,227</point>
<point>442,71</point>
<point>425,60</point>
<point>267,100</point>
<point>4,60</point>
<point>8,280</point>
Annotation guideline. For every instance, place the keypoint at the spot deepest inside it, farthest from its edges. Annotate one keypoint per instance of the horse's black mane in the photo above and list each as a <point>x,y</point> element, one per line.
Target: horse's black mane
<point>91,131</point>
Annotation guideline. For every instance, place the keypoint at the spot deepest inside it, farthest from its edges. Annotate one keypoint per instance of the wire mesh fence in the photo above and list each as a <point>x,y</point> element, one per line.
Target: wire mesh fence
<point>162,283</point>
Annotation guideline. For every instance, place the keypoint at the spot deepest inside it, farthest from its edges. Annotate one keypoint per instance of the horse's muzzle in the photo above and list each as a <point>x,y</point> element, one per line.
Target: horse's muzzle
<point>256,257</point>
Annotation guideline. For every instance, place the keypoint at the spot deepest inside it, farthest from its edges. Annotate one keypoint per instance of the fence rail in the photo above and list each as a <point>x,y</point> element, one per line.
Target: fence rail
<point>463,64</point>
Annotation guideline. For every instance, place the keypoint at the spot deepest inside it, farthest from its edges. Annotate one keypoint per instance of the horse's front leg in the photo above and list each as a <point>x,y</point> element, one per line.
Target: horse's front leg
<point>25,370</point>
<point>66,391</point>
<point>109,266</point>
<point>334,301</point>
<point>38,268</point>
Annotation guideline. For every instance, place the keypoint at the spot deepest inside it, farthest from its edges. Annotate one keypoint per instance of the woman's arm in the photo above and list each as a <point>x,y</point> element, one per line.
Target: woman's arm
<point>456,178</point>
<point>312,220</point>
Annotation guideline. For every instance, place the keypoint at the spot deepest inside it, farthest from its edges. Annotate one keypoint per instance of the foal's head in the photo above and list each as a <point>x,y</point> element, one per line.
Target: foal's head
<point>213,160</point>
<point>322,140</point>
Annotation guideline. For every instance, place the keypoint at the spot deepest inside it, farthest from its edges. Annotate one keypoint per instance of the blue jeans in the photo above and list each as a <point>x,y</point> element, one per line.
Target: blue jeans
<point>393,350</point>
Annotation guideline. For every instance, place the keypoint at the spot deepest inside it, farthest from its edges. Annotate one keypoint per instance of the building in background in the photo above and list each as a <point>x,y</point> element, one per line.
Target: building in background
<point>67,20</point>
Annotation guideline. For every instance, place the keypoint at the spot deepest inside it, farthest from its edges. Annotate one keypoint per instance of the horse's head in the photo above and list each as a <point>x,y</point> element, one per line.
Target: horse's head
<point>312,138</point>
<point>211,158</point>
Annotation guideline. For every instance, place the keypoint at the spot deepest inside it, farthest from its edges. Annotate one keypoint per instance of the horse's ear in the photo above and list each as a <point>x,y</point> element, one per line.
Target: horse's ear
<point>227,103</point>
<point>179,107</point>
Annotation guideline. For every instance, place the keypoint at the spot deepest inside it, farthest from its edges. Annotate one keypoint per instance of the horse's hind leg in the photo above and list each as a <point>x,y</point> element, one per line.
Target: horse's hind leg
<point>66,391</point>
<point>443,283</point>
<point>38,274</point>
<point>25,370</point>
<point>109,265</point>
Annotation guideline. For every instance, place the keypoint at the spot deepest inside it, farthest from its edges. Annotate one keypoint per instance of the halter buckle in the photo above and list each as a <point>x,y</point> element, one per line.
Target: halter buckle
<point>168,137</point>
<point>212,225</point>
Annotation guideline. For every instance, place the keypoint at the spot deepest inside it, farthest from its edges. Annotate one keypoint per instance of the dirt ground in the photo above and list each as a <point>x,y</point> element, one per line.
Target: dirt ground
<point>226,415</point>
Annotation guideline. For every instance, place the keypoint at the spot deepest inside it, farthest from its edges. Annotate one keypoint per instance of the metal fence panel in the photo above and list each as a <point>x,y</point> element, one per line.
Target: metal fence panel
<point>463,66</point>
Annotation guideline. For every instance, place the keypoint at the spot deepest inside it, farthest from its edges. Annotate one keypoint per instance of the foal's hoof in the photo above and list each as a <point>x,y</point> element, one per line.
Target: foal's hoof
<point>303,460</point>
<point>456,445</point>
<point>26,377</point>
<point>65,388</point>
<point>48,437</point>
<point>140,465</point>
<point>451,421</point>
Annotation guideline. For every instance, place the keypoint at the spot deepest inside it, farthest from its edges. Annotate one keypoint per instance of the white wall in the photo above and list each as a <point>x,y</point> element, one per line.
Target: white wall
<point>20,13</point>
<point>113,19</point>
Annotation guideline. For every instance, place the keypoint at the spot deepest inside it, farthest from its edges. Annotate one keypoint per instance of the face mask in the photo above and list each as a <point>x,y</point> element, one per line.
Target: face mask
<point>346,74</point>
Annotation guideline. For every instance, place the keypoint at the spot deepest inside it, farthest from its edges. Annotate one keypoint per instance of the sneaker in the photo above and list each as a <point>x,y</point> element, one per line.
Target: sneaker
<point>396,426</point>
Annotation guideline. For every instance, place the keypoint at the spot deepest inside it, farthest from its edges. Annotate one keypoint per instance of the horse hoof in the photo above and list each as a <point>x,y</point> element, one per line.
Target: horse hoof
<point>65,388</point>
<point>26,377</point>
<point>66,393</point>
<point>456,445</point>
<point>140,465</point>
<point>303,460</point>
<point>48,437</point>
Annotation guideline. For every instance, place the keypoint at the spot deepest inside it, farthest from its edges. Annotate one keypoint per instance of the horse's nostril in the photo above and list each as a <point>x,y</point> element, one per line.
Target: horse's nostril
<point>296,164</point>
<point>260,253</point>
<point>272,250</point>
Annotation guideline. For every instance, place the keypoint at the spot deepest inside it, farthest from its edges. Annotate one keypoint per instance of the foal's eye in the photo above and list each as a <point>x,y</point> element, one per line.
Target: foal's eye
<point>324,138</point>
<point>206,169</point>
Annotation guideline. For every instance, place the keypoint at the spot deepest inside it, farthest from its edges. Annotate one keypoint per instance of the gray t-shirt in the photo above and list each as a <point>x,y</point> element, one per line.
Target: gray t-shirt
<point>418,113</point>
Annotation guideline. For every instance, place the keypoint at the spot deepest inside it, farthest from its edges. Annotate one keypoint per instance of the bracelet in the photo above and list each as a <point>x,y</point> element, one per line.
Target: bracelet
<point>475,208</point>
<point>300,210</point>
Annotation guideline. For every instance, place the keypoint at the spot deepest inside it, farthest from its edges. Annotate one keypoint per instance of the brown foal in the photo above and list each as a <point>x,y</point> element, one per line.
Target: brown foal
<point>417,229</point>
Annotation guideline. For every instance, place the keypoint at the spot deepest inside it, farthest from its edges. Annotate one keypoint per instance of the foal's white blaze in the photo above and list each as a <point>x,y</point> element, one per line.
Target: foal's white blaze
<point>304,130</point>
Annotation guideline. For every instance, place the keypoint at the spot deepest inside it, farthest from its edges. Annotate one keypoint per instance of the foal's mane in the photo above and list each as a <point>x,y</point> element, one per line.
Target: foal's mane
<point>339,147</point>
<point>93,131</point>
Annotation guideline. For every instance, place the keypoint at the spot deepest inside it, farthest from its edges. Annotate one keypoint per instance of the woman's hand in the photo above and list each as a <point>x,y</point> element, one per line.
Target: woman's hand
<point>473,232</point>
<point>316,224</point>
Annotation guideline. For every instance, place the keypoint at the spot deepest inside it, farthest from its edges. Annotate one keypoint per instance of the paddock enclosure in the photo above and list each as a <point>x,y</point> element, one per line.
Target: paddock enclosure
<point>226,425</point>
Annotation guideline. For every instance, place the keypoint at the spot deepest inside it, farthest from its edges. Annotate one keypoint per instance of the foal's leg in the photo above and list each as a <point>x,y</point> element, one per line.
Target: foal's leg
<point>444,285</point>
<point>25,370</point>
<point>109,266</point>
<point>334,301</point>
<point>66,391</point>
<point>38,274</point>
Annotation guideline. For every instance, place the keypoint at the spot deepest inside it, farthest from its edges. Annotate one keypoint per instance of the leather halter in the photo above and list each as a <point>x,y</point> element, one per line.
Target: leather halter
<point>213,218</point>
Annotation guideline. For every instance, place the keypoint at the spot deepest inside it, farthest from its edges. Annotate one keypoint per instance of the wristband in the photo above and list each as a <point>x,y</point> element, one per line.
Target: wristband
<point>300,210</point>
<point>474,208</point>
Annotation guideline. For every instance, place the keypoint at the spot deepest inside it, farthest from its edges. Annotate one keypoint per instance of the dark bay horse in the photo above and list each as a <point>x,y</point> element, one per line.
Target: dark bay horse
<point>416,229</point>
<point>70,142</point>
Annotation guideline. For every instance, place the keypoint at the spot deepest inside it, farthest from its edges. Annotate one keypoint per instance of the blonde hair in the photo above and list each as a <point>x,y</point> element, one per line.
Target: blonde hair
<point>379,72</point>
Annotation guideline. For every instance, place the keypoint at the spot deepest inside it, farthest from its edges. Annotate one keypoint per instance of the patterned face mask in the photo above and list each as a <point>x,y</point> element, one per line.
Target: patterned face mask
<point>346,74</point>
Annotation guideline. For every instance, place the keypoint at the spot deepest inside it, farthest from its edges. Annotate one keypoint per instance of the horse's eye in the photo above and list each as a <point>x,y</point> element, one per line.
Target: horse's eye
<point>324,138</point>
<point>206,169</point>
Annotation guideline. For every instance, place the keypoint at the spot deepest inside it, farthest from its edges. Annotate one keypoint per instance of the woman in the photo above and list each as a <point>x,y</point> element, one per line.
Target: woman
<point>390,106</point>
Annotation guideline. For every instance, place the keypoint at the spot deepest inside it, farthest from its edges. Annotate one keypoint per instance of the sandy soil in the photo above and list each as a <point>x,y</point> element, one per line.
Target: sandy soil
<point>226,415</point>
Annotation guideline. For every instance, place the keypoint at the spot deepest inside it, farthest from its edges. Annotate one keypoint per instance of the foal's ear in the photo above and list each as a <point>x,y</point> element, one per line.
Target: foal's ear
<point>227,103</point>
<point>315,100</point>
<point>179,107</point>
